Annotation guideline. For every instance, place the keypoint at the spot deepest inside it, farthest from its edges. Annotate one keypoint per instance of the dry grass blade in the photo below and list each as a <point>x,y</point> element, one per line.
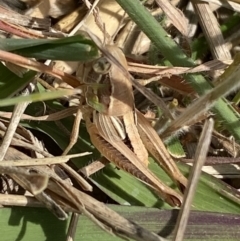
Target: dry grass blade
<point>37,66</point>
<point>70,21</point>
<point>200,157</point>
<point>19,19</point>
<point>41,161</point>
<point>14,121</point>
<point>215,160</point>
<point>175,15</point>
<point>19,201</point>
<point>36,182</point>
<point>212,32</point>
<point>223,170</point>
<point>216,64</point>
<point>27,33</point>
<point>233,5</point>
<point>51,117</point>
<point>12,154</point>
<point>72,227</point>
<point>94,167</point>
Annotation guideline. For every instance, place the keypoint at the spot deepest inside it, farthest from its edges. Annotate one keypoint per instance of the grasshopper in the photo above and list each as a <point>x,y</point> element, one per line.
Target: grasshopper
<point>120,132</point>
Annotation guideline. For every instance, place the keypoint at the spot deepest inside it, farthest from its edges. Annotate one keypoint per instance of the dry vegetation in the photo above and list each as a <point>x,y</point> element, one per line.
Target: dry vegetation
<point>166,85</point>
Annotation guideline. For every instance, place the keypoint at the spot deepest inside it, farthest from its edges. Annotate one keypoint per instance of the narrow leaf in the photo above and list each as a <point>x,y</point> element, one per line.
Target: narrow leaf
<point>75,48</point>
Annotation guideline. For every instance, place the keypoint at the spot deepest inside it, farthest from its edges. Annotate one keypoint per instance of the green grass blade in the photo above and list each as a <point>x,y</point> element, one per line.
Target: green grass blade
<point>75,48</point>
<point>10,83</point>
<point>38,224</point>
<point>36,97</point>
<point>202,225</point>
<point>175,148</point>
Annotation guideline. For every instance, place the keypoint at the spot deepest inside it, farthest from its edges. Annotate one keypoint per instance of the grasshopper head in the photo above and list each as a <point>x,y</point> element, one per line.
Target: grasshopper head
<point>101,66</point>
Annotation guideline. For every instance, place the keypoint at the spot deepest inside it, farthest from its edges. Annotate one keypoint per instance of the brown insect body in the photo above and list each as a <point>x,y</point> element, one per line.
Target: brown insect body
<point>117,96</point>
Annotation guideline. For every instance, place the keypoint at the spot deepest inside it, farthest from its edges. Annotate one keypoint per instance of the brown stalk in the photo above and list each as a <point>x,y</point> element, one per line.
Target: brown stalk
<point>22,31</point>
<point>200,157</point>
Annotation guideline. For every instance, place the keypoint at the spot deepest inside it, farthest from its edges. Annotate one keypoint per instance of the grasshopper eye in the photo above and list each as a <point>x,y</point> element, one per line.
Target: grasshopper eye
<point>101,66</point>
